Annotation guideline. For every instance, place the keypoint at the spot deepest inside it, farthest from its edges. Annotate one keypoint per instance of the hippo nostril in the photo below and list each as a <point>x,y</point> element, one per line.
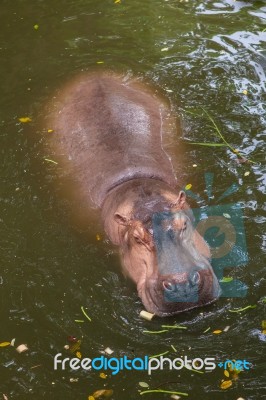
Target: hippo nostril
<point>168,286</point>
<point>194,278</point>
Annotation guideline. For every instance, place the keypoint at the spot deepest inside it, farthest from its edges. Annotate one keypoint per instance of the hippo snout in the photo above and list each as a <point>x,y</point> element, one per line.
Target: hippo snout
<point>174,293</point>
<point>182,287</point>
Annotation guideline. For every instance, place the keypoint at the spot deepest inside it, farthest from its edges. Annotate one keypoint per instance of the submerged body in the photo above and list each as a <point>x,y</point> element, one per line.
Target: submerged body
<point>111,134</point>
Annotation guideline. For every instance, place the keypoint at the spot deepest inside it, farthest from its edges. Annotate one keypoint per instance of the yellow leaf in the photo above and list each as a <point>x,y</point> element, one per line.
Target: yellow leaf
<point>50,130</point>
<point>75,346</point>
<point>91,398</point>
<point>226,373</point>
<point>245,92</point>
<point>36,27</point>
<point>247,173</point>
<point>188,186</point>
<point>25,119</point>
<point>78,354</point>
<point>217,332</point>
<point>51,161</point>
<point>103,392</point>
<point>264,331</point>
<point>103,375</point>
<point>100,62</point>
<point>4,344</point>
<point>226,384</point>
<point>98,237</point>
<point>117,1</point>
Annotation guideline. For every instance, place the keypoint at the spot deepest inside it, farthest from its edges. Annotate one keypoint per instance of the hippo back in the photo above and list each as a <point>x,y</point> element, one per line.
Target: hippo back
<point>110,132</point>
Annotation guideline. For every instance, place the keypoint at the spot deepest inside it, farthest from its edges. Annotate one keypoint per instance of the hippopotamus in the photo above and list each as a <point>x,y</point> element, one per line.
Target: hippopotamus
<point>111,132</point>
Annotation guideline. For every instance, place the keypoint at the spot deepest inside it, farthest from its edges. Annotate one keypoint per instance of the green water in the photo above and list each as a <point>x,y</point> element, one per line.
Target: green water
<point>52,263</point>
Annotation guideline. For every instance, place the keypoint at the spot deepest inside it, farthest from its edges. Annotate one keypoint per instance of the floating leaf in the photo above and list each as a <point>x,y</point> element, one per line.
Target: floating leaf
<point>51,161</point>
<point>226,384</point>
<point>162,331</point>
<point>24,120</point>
<point>75,346</point>
<point>91,398</point>
<point>5,344</point>
<point>163,391</point>
<point>98,237</point>
<point>174,326</point>
<point>36,27</point>
<point>159,355</point>
<point>247,173</point>
<point>191,369</point>
<point>143,384</point>
<point>217,332</point>
<point>263,324</point>
<point>79,321</point>
<point>208,144</point>
<point>227,279</point>
<point>207,330</point>
<point>78,354</point>
<point>218,134</point>
<point>243,309</point>
<point>117,1</point>
<point>50,130</point>
<point>165,49</point>
<point>173,347</point>
<point>245,92</point>
<point>226,373</point>
<point>103,375</point>
<point>103,392</point>
<point>188,186</point>
<point>100,62</point>
<point>85,314</point>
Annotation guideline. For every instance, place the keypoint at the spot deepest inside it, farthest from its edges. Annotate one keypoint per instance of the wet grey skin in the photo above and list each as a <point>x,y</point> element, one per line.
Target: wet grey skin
<point>113,136</point>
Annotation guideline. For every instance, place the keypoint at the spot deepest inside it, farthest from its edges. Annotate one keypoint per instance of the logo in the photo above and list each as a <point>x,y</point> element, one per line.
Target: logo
<point>146,363</point>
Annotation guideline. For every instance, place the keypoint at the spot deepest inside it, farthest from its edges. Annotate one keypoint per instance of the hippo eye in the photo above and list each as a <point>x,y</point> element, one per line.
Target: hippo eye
<point>168,286</point>
<point>138,240</point>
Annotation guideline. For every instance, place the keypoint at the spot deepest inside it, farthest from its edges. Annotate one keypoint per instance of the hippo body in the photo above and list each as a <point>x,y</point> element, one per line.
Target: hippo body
<point>110,132</point>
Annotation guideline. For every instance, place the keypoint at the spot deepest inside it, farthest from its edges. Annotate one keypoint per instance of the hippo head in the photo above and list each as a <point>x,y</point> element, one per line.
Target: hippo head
<point>167,258</point>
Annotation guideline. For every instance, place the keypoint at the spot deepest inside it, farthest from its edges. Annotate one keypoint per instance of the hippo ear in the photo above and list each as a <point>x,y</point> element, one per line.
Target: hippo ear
<point>121,219</point>
<point>180,200</point>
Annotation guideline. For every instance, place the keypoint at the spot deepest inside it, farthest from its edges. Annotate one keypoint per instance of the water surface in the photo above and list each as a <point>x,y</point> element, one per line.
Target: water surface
<point>200,54</point>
